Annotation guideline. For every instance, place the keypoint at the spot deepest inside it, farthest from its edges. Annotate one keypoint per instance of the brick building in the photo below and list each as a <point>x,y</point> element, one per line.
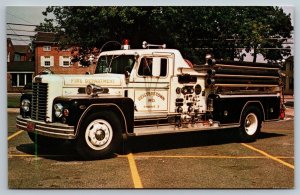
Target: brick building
<point>20,68</point>
<point>10,50</point>
<point>49,56</point>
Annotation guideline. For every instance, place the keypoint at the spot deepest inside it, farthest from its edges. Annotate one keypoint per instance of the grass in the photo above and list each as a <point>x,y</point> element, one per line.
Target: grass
<point>13,101</point>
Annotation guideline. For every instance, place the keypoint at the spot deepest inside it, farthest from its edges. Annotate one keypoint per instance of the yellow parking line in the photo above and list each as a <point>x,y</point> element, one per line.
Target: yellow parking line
<point>20,155</point>
<point>200,156</point>
<point>269,156</point>
<point>285,157</point>
<point>14,135</point>
<point>187,156</point>
<point>134,172</point>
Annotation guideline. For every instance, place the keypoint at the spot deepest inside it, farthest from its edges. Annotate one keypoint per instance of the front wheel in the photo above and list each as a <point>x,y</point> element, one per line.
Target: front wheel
<point>250,124</point>
<point>99,135</point>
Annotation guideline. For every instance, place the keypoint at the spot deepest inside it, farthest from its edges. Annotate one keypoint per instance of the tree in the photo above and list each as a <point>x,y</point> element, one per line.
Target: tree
<point>265,27</point>
<point>195,31</point>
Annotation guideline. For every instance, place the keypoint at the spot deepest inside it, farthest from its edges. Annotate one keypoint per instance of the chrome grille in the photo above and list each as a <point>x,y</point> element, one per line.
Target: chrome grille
<point>39,101</point>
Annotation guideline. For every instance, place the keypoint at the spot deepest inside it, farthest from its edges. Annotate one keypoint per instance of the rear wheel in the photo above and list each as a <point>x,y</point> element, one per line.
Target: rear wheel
<point>99,135</point>
<point>250,124</point>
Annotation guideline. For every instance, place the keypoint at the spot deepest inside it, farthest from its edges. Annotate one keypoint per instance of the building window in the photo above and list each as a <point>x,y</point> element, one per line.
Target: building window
<point>20,79</point>
<point>17,57</point>
<point>47,48</point>
<point>14,80</point>
<point>64,61</point>
<point>47,61</point>
<point>8,57</point>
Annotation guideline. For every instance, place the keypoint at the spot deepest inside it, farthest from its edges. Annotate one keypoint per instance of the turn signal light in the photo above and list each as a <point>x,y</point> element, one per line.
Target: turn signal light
<point>66,112</point>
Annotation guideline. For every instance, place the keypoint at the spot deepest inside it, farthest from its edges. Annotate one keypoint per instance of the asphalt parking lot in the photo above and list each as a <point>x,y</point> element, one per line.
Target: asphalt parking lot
<point>207,159</point>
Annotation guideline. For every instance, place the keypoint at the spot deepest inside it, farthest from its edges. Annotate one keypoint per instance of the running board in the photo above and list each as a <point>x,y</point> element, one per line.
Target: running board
<point>167,129</point>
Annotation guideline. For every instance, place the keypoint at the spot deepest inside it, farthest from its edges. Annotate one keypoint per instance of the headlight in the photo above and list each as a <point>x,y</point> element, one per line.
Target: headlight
<point>25,105</point>
<point>58,110</point>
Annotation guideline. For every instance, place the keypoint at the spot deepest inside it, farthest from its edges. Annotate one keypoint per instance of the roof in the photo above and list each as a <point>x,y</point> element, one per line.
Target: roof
<point>22,48</point>
<point>20,66</point>
<point>45,37</point>
<point>179,62</point>
<point>141,52</point>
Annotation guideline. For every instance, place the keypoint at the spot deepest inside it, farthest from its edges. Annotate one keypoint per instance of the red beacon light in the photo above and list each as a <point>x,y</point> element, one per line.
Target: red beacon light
<point>125,44</point>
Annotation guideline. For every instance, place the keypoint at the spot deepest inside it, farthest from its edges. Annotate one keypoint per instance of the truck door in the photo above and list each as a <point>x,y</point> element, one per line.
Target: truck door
<point>151,85</point>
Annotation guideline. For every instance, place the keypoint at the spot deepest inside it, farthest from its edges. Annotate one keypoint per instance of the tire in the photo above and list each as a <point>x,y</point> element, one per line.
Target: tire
<point>250,124</point>
<point>99,136</point>
<point>43,141</point>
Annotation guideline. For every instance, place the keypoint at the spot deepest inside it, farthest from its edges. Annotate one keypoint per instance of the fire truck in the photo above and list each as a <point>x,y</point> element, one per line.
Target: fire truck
<point>154,90</point>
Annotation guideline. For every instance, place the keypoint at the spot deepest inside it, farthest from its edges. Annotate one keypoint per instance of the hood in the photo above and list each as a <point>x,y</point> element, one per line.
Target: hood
<point>68,85</point>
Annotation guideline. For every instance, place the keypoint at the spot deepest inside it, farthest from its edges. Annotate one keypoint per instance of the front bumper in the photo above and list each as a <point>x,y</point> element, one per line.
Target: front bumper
<point>57,130</point>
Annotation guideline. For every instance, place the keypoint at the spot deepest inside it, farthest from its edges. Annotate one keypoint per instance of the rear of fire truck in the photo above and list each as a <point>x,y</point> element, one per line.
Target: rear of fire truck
<point>244,93</point>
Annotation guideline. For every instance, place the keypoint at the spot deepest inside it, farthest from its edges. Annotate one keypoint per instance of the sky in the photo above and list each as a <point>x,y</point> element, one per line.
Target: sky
<point>31,15</point>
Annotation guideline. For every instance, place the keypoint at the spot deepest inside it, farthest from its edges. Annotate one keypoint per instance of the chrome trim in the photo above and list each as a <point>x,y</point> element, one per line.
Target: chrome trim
<point>173,129</point>
<point>57,130</point>
<point>254,95</point>
<point>39,101</point>
<point>230,125</point>
<point>272,120</point>
<point>153,116</point>
<point>245,67</point>
<point>245,85</point>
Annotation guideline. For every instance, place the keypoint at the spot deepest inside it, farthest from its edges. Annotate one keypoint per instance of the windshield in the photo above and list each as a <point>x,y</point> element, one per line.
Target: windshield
<point>117,64</point>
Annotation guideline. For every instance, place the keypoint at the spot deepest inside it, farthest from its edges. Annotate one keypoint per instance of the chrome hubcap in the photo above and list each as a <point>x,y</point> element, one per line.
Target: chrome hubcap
<point>251,124</point>
<point>98,134</point>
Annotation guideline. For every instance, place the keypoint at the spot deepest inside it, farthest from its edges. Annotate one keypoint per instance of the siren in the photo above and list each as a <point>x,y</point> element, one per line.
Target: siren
<point>125,44</point>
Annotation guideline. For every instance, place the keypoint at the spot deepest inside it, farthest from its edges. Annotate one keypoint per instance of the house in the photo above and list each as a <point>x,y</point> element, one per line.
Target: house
<point>19,74</point>
<point>20,68</point>
<point>288,71</point>
<point>22,53</point>
<point>49,56</point>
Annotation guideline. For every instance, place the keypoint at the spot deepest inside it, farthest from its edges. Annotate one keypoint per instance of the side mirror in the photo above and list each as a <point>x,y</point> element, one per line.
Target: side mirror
<point>136,56</point>
<point>127,75</point>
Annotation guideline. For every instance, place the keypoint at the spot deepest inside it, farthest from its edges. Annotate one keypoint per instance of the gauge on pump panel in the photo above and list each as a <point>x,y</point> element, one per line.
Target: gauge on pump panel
<point>198,89</point>
<point>184,90</point>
